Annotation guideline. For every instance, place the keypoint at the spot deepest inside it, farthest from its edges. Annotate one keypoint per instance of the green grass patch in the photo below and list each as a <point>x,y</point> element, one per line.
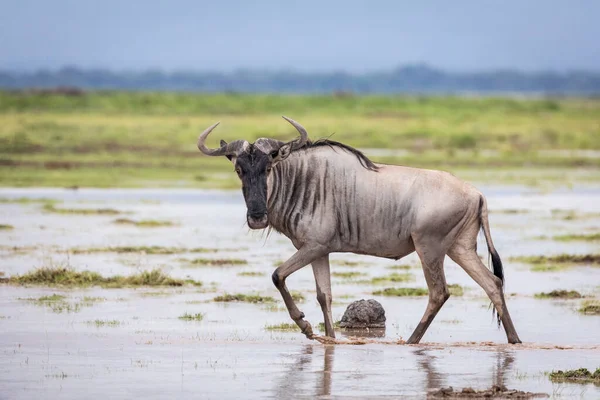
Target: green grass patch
<point>58,303</point>
<point>590,237</point>
<point>243,298</point>
<point>104,322</point>
<point>451,321</point>
<point>401,292</point>
<point>283,327</point>
<point>192,317</point>
<point>548,268</point>
<point>19,249</point>
<point>348,275</point>
<point>146,223</point>
<point>274,307</point>
<point>92,299</point>
<point>65,307</point>
<point>61,276</point>
<point>346,263</point>
<point>336,325</point>
<point>50,207</point>
<point>590,307</point>
<point>53,297</point>
<point>218,262</point>
<point>402,267</point>
<point>570,215</point>
<point>298,297</point>
<point>394,277</point>
<point>510,211</point>
<point>559,294</point>
<point>45,299</point>
<point>561,259</point>
<point>25,200</point>
<point>251,273</point>
<point>581,375</point>
<point>6,227</point>
<point>456,290</point>
<point>142,249</point>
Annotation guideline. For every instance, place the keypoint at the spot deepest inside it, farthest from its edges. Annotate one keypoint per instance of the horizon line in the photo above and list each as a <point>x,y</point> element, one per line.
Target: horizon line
<point>291,70</point>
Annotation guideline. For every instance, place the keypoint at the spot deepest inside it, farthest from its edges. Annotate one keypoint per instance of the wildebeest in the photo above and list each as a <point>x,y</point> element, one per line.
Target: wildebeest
<point>328,197</point>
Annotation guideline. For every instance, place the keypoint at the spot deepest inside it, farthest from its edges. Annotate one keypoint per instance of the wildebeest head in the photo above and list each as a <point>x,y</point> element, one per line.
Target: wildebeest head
<point>253,163</point>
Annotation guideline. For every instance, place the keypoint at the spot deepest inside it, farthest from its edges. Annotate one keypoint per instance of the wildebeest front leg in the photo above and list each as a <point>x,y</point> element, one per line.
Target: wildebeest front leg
<point>304,256</point>
<point>323,281</point>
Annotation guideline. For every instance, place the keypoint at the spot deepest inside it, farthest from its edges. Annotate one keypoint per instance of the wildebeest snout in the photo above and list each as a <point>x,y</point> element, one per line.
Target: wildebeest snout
<point>257,220</point>
<point>256,213</point>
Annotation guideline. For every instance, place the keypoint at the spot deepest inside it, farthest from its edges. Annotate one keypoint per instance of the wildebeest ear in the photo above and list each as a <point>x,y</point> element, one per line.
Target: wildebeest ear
<point>281,154</point>
<point>224,143</point>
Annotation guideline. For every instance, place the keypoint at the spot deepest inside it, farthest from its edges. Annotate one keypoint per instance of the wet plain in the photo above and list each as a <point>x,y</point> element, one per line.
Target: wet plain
<point>59,341</point>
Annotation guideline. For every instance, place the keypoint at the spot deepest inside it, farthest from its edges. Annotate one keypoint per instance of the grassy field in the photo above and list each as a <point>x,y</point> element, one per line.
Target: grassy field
<point>119,139</point>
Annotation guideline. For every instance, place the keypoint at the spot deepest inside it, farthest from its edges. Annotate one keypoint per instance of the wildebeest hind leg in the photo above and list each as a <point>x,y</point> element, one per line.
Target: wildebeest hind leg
<point>304,256</point>
<point>467,258</point>
<point>323,280</point>
<point>433,268</point>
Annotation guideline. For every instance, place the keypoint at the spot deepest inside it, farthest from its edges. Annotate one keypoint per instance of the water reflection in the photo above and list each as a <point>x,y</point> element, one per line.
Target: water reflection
<point>426,362</point>
<point>305,365</point>
<point>434,379</point>
<point>324,381</point>
<point>311,371</point>
<point>504,363</point>
<point>292,380</point>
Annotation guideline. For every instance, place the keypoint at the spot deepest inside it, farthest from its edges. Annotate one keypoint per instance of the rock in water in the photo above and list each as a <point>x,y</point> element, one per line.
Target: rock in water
<point>363,314</point>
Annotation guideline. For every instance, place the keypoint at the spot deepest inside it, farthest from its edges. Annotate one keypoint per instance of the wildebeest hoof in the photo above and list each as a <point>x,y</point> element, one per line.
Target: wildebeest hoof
<point>308,331</point>
<point>325,339</point>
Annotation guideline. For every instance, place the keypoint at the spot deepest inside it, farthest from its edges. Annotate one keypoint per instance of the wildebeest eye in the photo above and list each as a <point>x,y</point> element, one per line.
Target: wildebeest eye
<point>238,170</point>
<point>268,169</point>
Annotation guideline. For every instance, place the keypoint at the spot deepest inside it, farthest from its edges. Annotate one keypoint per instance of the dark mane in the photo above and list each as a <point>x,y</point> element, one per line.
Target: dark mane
<point>364,160</point>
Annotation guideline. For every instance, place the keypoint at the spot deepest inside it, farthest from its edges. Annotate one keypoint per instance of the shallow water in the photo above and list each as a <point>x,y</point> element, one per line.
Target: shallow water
<point>229,354</point>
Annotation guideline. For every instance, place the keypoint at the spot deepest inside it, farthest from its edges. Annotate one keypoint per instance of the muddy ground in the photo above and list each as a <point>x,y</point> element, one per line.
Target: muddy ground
<point>130,342</point>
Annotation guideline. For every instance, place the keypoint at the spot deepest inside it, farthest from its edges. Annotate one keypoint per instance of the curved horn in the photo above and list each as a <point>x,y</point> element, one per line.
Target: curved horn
<point>202,139</point>
<point>297,143</point>
<point>233,148</point>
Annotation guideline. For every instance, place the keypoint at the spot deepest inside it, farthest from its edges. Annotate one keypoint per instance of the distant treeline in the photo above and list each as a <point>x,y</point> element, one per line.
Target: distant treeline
<point>406,79</point>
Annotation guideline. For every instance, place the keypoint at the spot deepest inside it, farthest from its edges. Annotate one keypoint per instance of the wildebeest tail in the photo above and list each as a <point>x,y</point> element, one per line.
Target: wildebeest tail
<point>485,225</point>
<point>496,262</point>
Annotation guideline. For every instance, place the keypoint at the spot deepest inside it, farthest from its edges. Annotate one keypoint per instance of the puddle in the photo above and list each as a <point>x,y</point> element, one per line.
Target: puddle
<point>67,355</point>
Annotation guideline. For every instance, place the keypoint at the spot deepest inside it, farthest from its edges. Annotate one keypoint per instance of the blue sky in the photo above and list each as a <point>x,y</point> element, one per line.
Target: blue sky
<point>354,36</point>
